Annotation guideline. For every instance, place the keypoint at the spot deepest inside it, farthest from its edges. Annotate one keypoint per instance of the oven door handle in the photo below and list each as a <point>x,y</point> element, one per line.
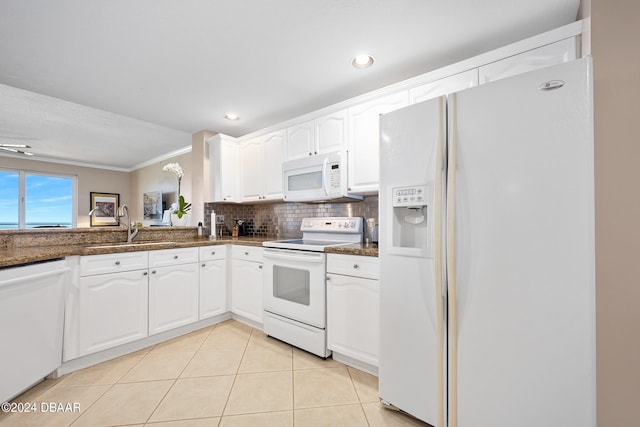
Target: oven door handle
<point>290,255</point>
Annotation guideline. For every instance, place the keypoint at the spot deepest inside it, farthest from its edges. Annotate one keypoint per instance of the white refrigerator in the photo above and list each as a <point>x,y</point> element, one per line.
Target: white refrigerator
<point>487,254</point>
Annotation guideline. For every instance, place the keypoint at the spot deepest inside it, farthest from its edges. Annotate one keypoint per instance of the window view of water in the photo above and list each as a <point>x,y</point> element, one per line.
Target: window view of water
<point>48,200</point>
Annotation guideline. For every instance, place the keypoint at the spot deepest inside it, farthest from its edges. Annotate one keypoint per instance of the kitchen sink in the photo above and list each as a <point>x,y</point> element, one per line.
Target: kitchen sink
<point>125,245</point>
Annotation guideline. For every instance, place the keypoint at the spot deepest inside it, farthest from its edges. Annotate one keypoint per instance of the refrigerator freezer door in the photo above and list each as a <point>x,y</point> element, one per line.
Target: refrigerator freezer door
<point>524,221</point>
<point>411,319</point>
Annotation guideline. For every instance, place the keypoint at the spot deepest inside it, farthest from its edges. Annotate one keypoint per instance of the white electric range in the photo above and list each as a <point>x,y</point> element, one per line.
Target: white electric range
<point>294,281</point>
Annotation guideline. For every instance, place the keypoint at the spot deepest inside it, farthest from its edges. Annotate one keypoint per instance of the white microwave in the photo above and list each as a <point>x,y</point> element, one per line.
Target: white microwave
<point>316,178</point>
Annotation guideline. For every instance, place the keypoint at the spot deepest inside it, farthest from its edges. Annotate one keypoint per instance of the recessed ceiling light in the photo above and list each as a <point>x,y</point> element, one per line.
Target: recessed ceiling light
<point>231,116</point>
<point>363,61</point>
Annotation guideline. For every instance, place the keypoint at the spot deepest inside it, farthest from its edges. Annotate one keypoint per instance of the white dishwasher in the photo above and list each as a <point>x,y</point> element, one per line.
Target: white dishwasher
<point>31,324</point>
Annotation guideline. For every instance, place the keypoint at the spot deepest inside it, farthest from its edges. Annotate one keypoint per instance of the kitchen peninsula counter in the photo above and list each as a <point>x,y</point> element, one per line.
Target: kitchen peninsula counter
<point>18,247</point>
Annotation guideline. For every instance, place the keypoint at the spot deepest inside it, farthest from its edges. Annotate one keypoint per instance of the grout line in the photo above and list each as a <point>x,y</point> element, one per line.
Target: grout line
<point>235,376</point>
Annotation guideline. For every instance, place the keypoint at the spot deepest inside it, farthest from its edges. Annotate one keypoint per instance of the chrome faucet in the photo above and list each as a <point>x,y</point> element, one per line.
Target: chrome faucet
<point>123,211</point>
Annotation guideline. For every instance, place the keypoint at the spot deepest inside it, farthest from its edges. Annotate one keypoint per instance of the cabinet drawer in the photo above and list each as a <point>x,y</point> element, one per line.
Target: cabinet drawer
<point>249,253</point>
<point>165,257</point>
<point>354,265</point>
<point>112,263</point>
<point>209,253</point>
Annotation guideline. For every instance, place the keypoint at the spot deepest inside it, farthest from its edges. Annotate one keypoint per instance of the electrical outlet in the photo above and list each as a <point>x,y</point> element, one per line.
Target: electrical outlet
<point>219,219</point>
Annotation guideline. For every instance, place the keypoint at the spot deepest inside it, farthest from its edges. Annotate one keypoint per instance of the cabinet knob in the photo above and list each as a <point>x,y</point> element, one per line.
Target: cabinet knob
<point>145,273</point>
<point>203,265</point>
<point>315,152</point>
<point>309,152</point>
<point>213,252</point>
<point>260,266</point>
<point>153,272</point>
<point>246,253</point>
<point>117,262</point>
<point>356,266</point>
<point>175,257</point>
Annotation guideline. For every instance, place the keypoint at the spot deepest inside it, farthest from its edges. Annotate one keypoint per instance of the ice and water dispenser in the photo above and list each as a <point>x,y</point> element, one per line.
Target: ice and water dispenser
<point>410,229</point>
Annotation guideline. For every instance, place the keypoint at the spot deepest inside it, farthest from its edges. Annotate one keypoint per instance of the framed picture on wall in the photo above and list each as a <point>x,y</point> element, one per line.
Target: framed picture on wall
<point>104,208</point>
<point>152,203</point>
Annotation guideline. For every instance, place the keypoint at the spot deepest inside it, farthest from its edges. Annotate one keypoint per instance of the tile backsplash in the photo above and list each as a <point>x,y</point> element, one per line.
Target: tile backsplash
<point>282,220</point>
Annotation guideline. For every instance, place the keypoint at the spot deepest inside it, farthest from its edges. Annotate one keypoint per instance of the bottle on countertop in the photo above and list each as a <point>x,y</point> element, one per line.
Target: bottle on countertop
<point>200,228</point>
<point>213,225</point>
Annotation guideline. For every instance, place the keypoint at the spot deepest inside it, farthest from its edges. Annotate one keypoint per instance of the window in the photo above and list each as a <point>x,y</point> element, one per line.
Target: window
<point>32,199</point>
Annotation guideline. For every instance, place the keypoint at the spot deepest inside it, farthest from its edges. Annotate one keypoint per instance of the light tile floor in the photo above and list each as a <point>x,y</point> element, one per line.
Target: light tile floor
<point>225,375</point>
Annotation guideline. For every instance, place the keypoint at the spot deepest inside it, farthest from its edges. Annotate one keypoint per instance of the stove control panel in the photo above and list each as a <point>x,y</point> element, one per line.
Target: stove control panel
<point>333,225</point>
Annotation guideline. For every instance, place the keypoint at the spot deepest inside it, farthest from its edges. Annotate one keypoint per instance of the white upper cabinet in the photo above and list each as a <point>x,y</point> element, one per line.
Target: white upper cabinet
<point>224,162</point>
<point>261,167</point>
<point>324,134</point>
<point>251,158</point>
<point>331,132</point>
<point>444,86</point>
<point>301,140</point>
<point>363,150</point>
<point>545,56</point>
<point>273,144</point>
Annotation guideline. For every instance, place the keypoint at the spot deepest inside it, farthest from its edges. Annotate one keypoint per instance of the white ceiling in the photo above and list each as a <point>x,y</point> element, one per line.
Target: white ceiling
<point>155,71</point>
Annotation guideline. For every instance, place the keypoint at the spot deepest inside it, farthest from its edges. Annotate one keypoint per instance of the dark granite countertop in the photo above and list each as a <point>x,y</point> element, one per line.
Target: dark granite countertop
<point>19,247</point>
<point>12,256</point>
<point>363,249</point>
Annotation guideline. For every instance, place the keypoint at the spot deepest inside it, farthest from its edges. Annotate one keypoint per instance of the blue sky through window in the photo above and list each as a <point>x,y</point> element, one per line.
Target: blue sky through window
<point>48,200</point>
<point>9,199</point>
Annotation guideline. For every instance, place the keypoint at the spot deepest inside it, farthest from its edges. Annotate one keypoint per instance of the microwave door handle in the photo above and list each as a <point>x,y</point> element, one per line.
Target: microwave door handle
<point>325,167</point>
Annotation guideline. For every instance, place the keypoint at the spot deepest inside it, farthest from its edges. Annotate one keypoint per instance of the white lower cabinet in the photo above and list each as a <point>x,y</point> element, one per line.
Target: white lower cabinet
<point>353,313</point>
<point>173,289</point>
<point>246,289</point>
<point>213,281</point>
<point>109,305</point>
<point>112,310</point>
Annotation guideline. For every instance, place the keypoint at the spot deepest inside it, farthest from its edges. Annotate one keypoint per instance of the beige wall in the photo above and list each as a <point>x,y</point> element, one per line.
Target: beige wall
<point>89,179</point>
<point>152,178</point>
<point>615,34</point>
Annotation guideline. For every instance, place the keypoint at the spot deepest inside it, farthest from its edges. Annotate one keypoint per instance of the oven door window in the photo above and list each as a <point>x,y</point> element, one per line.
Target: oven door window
<point>291,284</point>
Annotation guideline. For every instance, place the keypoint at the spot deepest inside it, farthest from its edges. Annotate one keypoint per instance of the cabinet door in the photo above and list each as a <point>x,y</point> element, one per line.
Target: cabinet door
<point>173,297</point>
<point>363,143</point>
<point>251,159</point>
<point>224,166</point>
<point>444,86</point>
<point>246,289</point>
<point>112,310</point>
<point>300,140</point>
<point>551,54</point>
<point>272,166</point>
<point>331,132</point>
<point>213,288</point>
<point>353,317</point>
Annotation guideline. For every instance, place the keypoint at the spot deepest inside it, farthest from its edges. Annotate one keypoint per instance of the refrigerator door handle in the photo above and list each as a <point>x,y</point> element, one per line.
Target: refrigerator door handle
<point>451,264</point>
<point>437,255</point>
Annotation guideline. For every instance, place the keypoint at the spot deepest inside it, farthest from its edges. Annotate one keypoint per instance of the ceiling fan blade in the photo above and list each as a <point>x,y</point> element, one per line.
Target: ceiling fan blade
<point>14,146</point>
<point>16,151</point>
